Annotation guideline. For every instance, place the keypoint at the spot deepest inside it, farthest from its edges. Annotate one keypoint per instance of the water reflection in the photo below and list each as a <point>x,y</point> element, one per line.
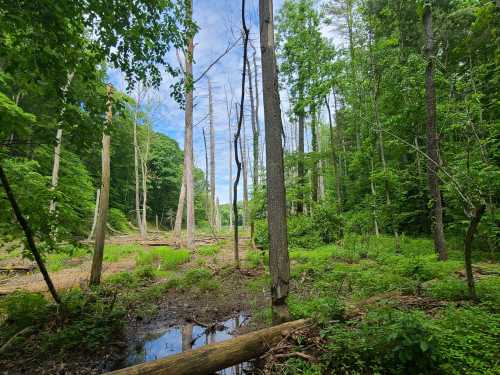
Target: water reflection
<point>189,336</point>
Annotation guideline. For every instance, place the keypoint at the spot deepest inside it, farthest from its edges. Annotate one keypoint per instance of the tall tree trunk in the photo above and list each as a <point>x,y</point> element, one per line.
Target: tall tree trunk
<point>255,141</point>
<point>145,174</point>
<point>180,211</point>
<point>374,195</point>
<point>432,137</point>
<point>188,123</point>
<point>229,109</point>
<point>136,172</point>
<point>244,157</point>
<point>100,236</point>
<point>279,262</point>
<point>59,133</point>
<point>471,230</point>
<point>28,234</point>
<point>207,184</point>
<point>314,141</point>
<point>238,132</point>
<point>333,144</point>
<point>300,164</point>
<point>212,154</point>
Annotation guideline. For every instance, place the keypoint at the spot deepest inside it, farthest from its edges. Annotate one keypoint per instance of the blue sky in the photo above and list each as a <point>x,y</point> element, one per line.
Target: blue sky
<point>219,21</point>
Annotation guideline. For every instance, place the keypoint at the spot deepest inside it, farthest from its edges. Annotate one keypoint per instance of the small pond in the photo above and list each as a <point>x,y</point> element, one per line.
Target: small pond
<point>176,339</point>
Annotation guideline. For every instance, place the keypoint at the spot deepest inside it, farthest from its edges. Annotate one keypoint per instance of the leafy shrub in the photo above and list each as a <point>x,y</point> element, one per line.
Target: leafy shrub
<point>450,288</point>
<point>257,258</point>
<point>468,340</point>
<point>23,309</point>
<point>328,222</point>
<point>385,342</point>
<point>302,233</point>
<point>86,321</point>
<point>322,309</point>
<point>195,275</point>
<point>117,220</point>
<point>359,222</point>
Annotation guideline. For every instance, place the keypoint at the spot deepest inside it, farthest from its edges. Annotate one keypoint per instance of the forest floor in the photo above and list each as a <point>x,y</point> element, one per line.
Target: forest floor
<point>17,273</point>
<point>374,308</point>
<point>155,285</point>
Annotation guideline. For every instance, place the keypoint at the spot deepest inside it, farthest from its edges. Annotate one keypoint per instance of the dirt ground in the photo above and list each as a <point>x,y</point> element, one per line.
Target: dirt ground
<point>173,308</point>
<point>25,275</point>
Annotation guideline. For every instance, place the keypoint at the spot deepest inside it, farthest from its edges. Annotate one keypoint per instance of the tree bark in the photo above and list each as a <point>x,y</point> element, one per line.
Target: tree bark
<point>96,270</point>
<point>469,236</point>
<point>279,263</point>
<point>29,235</point>
<point>432,138</point>
<point>214,357</point>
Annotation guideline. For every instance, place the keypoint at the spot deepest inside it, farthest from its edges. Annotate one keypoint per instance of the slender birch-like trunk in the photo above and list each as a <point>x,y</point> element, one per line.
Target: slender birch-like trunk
<point>96,270</point>
<point>96,213</point>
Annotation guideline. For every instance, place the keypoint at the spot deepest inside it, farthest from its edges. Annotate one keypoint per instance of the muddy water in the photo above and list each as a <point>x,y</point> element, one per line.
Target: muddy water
<point>176,339</point>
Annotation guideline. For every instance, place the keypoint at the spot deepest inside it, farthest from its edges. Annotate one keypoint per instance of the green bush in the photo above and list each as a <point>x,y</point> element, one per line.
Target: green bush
<point>85,321</point>
<point>328,222</point>
<point>384,342</point>
<point>468,341</point>
<point>302,233</point>
<point>257,258</point>
<point>117,220</point>
<point>24,309</point>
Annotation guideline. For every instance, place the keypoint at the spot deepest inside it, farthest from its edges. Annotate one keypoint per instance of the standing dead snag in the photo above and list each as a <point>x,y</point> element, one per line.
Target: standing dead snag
<point>28,234</point>
<point>237,135</point>
<point>212,155</point>
<point>100,236</point>
<point>279,262</point>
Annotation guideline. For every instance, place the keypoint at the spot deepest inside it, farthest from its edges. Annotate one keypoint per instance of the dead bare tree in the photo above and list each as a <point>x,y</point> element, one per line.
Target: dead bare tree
<point>237,135</point>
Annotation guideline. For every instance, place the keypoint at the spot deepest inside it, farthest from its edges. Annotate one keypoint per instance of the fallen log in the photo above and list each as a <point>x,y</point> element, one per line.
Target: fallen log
<point>214,357</point>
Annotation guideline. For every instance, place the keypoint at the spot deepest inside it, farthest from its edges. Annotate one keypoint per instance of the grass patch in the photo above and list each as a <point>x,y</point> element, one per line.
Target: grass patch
<point>62,259</point>
<point>209,250</point>
<point>164,258</point>
<point>113,253</point>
